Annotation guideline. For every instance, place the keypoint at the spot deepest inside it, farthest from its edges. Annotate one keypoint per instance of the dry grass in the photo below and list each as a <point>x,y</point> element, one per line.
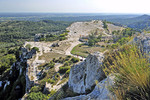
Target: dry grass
<point>133,80</point>
<point>63,46</point>
<point>49,56</point>
<point>84,50</point>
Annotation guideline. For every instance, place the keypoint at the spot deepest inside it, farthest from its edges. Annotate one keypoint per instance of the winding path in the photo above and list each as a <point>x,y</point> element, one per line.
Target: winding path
<point>76,30</point>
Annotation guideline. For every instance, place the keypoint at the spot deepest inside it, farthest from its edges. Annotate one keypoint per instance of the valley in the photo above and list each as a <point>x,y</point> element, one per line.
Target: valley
<point>64,48</point>
<point>77,60</point>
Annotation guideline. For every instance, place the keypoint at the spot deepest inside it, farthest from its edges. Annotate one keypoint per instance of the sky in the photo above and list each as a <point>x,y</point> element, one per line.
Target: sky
<point>76,6</point>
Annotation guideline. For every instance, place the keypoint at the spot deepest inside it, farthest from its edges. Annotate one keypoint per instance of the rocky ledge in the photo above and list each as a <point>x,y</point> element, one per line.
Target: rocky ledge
<point>100,91</point>
<point>82,76</point>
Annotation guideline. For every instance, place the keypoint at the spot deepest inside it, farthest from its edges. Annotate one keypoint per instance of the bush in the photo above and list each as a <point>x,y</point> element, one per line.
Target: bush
<point>62,38</point>
<point>103,45</point>
<point>57,75</point>
<point>6,62</point>
<point>36,96</point>
<point>52,93</point>
<point>28,46</point>
<point>63,35</point>
<point>35,89</point>
<point>67,72</point>
<point>66,63</point>
<point>36,48</point>
<point>133,78</point>
<point>105,25</point>
<point>114,46</point>
<point>51,64</point>
<point>75,60</point>
<point>91,42</point>
<point>64,69</point>
<point>51,81</point>
<point>108,46</point>
<point>68,56</point>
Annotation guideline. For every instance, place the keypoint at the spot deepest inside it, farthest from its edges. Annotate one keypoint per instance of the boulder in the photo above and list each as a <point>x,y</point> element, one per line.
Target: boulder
<point>100,92</point>
<point>82,76</point>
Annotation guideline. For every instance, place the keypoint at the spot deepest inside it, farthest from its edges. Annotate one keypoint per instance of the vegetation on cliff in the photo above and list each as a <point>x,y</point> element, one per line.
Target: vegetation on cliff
<point>131,68</point>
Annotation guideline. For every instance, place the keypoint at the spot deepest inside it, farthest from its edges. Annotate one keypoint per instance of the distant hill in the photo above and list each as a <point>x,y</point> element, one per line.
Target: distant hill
<point>138,23</point>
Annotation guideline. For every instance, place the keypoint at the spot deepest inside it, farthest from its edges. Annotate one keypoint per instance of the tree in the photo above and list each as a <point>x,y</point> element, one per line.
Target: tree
<point>105,24</point>
<point>28,46</point>
<point>91,42</point>
<point>36,48</point>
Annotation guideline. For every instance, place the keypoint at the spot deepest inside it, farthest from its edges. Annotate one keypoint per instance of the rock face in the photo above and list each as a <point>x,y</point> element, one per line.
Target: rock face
<point>100,92</point>
<point>16,80</point>
<point>82,76</point>
<point>143,41</point>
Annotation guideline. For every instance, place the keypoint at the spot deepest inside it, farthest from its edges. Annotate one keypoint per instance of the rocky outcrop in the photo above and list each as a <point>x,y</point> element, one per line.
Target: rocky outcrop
<point>143,41</point>
<point>16,81</point>
<point>82,76</point>
<point>100,92</point>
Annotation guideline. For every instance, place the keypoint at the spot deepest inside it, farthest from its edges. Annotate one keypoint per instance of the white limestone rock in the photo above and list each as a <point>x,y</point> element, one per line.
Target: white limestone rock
<point>143,41</point>
<point>83,75</point>
<point>101,91</point>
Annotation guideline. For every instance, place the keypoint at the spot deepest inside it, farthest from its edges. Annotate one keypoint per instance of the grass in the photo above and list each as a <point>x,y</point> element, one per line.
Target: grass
<point>133,78</point>
<point>49,56</point>
<point>62,46</point>
<point>84,50</point>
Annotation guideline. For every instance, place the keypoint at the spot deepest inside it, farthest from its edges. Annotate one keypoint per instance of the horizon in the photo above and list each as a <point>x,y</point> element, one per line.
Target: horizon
<point>78,6</point>
<point>74,13</point>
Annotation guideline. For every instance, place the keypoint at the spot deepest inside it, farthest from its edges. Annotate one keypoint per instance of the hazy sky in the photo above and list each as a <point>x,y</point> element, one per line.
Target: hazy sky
<point>76,6</point>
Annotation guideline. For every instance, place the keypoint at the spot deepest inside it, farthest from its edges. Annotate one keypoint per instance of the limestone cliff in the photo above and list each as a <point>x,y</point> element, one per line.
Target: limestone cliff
<point>14,83</point>
<point>82,76</point>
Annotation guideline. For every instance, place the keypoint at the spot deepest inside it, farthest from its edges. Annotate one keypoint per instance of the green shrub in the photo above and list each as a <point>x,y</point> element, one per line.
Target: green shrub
<point>51,93</point>
<point>68,56</point>
<point>105,25</point>
<point>103,45</point>
<point>61,60</point>
<point>51,81</point>
<point>75,60</point>
<point>6,62</point>
<point>51,64</point>
<point>36,96</point>
<point>28,46</point>
<point>36,48</point>
<point>62,38</point>
<point>57,75</point>
<point>66,63</point>
<point>35,89</point>
<point>64,69</point>
<point>91,42</point>
<point>114,46</point>
<point>68,71</point>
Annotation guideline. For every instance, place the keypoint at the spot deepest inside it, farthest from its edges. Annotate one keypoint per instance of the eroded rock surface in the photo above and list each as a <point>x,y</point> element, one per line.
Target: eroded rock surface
<point>100,92</point>
<point>82,76</point>
<point>143,41</point>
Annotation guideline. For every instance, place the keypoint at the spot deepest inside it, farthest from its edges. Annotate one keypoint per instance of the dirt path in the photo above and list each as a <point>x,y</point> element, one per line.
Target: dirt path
<point>76,30</point>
